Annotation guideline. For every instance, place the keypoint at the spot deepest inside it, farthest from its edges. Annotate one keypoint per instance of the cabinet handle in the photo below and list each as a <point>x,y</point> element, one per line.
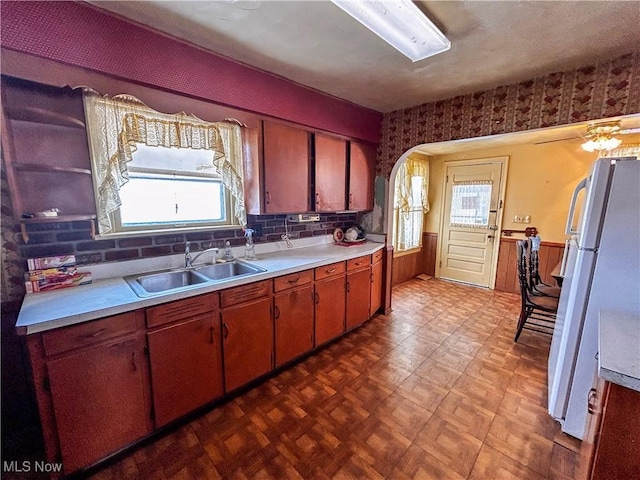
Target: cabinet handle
<point>268,198</point>
<point>348,287</point>
<point>133,362</point>
<point>211,335</point>
<point>317,199</point>
<point>591,407</point>
<point>371,277</point>
<point>317,298</point>
<point>350,198</point>
<point>226,329</point>
<point>330,271</point>
<point>294,280</point>
<point>276,312</point>
<point>96,334</point>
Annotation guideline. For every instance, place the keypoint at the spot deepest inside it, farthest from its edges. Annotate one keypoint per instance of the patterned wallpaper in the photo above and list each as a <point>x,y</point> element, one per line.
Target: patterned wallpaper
<point>601,90</point>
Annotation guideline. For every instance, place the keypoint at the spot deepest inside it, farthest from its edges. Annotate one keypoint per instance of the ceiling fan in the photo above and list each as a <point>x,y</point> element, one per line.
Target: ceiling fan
<point>600,136</point>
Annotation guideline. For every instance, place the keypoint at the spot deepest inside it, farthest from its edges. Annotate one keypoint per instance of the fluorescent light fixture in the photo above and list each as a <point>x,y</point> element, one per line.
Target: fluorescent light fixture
<point>399,23</point>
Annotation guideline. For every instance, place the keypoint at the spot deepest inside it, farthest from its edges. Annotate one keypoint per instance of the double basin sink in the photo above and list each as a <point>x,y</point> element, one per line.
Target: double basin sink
<point>165,281</point>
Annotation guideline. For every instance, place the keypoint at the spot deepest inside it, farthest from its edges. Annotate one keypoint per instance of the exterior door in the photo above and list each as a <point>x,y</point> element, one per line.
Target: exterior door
<point>470,221</point>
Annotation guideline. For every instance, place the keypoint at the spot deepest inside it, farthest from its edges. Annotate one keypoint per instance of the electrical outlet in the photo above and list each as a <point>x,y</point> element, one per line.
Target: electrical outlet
<point>527,219</point>
<point>517,219</point>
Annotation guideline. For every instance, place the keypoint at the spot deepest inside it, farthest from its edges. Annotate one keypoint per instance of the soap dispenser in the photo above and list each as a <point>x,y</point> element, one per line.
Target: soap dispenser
<point>250,248</point>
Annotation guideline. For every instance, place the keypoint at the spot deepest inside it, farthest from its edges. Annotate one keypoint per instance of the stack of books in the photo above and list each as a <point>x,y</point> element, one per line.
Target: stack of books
<point>52,273</point>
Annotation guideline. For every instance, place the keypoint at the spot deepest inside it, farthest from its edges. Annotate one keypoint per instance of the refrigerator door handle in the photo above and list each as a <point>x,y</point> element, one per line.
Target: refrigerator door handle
<point>572,207</point>
<point>563,265</point>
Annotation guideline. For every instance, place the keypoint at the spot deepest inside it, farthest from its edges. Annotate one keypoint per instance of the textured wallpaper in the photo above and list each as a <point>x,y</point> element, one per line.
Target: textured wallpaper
<point>601,90</point>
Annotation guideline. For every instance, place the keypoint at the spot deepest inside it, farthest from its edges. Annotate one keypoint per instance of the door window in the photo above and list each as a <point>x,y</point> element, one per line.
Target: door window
<point>470,203</point>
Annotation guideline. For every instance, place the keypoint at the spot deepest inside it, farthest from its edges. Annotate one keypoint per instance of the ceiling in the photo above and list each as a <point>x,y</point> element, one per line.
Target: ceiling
<point>493,43</point>
<point>316,44</point>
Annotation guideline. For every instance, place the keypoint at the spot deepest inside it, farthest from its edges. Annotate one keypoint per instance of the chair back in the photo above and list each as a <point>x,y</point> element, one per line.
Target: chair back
<point>523,274</point>
<point>534,262</point>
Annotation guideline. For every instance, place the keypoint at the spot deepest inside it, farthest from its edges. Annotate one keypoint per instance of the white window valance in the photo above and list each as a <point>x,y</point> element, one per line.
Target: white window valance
<point>116,125</point>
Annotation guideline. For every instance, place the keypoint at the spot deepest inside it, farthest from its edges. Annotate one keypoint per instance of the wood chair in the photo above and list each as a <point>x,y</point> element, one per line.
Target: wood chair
<point>537,313</point>
<point>536,286</point>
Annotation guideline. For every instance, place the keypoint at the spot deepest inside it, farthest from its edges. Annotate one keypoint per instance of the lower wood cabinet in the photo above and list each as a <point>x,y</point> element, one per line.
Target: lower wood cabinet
<point>186,366</point>
<point>100,384</point>
<point>93,395</point>
<point>98,401</point>
<point>247,332</point>
<point>610,449</point>
<point>376,284</point>
<point>293,316</point>
<point>358,295</point>
<point>330,299</point>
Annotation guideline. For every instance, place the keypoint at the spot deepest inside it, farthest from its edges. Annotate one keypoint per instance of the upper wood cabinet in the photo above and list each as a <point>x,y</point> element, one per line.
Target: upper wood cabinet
<point>44,145</point>
<point>362,159</point>
<point>330,173</point>
<point>291,170</point>
<point>286,169</point>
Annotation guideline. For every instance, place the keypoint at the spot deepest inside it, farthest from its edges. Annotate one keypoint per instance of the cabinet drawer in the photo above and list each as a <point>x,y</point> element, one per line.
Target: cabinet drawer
<point>329,270</point>
<point>358,263</point>
<point>89,333</point>
<point>377,256</point>
<point>189,307</point>
<point>294,280</point>
<point>245,293</point>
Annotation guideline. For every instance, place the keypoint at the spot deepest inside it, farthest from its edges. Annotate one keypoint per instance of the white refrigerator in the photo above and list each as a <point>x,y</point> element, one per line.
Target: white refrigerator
<point>601,272</point>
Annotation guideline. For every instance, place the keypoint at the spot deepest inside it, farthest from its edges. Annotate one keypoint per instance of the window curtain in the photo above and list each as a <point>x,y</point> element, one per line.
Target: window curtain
<point>411,202</point>
<point>470,201</point>
<point>115,125</point>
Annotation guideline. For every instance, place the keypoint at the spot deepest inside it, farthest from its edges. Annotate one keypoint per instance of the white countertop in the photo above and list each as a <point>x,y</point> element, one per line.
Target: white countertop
<point>619,352</point>
<point>110,296</point>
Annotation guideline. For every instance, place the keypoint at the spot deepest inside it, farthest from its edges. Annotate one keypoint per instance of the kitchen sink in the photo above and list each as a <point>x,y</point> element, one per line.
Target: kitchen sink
<point>220,271</point>
<point>148,284</point>
<point>159,282</point>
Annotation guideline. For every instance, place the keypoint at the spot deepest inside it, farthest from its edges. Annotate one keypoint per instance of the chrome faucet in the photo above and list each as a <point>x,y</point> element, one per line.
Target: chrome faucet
<point>188,260</point>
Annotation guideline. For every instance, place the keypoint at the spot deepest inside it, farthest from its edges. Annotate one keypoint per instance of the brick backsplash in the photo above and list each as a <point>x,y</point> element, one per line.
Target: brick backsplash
<point>75,238</point>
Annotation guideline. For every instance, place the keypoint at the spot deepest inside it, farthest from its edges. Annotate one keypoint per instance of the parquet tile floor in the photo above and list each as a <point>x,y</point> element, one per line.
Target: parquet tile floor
<point>435,390</point>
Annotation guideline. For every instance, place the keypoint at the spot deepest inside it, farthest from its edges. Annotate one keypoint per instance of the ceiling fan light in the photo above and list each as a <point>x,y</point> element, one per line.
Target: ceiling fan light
<point>399,23</point>
<point>604,142</point>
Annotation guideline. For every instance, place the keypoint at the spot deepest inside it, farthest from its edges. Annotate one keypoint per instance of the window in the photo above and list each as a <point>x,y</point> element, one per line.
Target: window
<point>169,188</point>
<point>411,203</point>
<point>470,204</point>
<point>153,171</point>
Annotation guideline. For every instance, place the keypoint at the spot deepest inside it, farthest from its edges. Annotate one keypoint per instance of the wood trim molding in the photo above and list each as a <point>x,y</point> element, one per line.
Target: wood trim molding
<point>387,274</point>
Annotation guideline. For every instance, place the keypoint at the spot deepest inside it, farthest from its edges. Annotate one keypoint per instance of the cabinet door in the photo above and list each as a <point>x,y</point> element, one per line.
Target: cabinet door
<point>361,176</point>
<point>247,342</point>
<point>286,169</point>
<point>293,315</point>
<point>330,173</point>
<point>376,288</point>
<point>617,454</point>
<point>186,366</point>
<point>99,401</point>
<point>358,293</point>
<point>330,300</point>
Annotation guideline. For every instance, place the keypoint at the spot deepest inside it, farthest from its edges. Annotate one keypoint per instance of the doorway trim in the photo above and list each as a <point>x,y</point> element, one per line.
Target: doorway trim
<point>504,160</point>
